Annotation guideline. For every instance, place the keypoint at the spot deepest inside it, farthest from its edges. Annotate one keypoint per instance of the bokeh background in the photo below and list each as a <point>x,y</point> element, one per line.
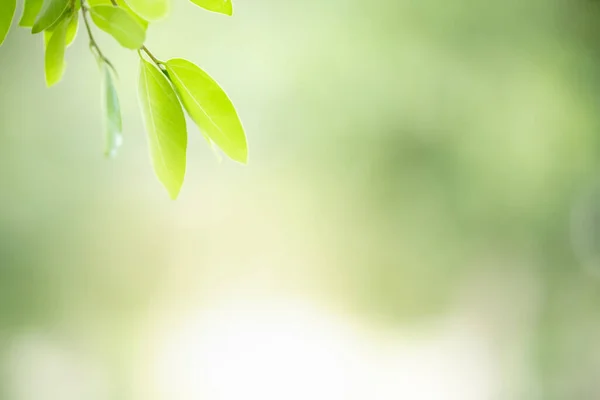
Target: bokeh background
<point>420,217</point>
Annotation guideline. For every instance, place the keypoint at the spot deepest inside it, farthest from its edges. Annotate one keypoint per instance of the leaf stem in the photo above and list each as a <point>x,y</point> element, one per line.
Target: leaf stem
<point>93,44</point>
<point>156,61</point>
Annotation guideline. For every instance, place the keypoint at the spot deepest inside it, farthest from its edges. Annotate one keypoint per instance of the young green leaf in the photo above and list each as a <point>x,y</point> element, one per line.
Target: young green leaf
<point>7,12</point>
<point>47,35</point>
<point>220,6</point>
<point>112,109</point>
<point>120,24</point>
<point>124,6</point>
<point>71,32</point>
<point>165,125</point>
<point>150,10</point>
<point>30,12</point>
<point>72,29</point>
<point>55,53</point>
<point>51,13</point>
<point>209,107</point>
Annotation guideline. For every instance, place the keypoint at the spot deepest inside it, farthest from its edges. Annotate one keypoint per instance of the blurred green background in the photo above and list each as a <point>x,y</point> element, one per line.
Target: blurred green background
<point>420,217</point>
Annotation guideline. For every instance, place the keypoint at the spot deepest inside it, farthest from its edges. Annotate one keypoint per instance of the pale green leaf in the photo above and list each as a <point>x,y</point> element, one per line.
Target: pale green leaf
<point>112,110</point>
<point>165,125</point>
<point>123,5</point>
<point>7,12</point>
<point>150,10</point>
<point>220,6</point>
<point>120,24</point>
<point>209,107</point>
<point>55,54</point>
<point>52,11</point>
<point>30,12</point>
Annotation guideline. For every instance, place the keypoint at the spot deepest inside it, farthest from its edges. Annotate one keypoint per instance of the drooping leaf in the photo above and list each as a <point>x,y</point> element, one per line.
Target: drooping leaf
<point>165,125</point>
<point>120,24</point>
<point>124,6</point>
<point>52,11</point>
<point>112,110</point>
<point>209,107</point>
<point>55,54</point>
<point>71,32</point>
<point>219,6</point>
<point>150,10</point>
<point>30,12</point>
<point>7,12</point>
<point>47,35</point>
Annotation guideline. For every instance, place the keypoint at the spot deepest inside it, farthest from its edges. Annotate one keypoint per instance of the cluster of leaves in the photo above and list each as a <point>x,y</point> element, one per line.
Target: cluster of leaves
<point>166,88</point>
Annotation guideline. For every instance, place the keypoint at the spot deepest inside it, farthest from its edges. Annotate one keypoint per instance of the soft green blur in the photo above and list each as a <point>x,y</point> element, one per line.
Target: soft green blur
<point>419,218</point>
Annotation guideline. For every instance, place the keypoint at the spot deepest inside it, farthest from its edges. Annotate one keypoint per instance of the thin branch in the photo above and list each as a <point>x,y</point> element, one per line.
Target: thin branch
<point>93,43</point>
<point>156,60</point>
<point>96,48</point>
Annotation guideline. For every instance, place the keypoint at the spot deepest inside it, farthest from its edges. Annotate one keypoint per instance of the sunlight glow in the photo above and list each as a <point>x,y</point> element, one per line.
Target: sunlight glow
<point>283,350</point>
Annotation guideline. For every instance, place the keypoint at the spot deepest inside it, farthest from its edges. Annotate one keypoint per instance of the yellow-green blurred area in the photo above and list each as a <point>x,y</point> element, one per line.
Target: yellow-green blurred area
<point>419,219</point>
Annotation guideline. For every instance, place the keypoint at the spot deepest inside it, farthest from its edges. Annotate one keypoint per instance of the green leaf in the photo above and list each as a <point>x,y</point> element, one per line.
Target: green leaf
<point>209,107</point>
<point>52,11</point>
<point>72,29</point>
<point>71,32</point>
<point>120,24</point>
<point>123,5</point>
<point>165,126</point>
<point>47,35</point>
<point>112,109</point>
<point>150,10</point>
<point>220,6</point>
<point>7,12</point>
<point>30,11</point>
<point>55,53</point>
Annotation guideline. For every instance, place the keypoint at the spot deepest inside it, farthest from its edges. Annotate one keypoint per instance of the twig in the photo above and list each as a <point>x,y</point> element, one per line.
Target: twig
<point>93,43</point>
<point>96,48</point>
<point>156,61</point>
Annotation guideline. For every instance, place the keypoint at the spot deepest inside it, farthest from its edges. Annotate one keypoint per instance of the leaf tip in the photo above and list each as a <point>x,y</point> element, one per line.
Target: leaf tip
<point>174,193</point>
<point>227,9</point>
<point>53,80</point>
<point>113,146</point>
<point>242,158</point>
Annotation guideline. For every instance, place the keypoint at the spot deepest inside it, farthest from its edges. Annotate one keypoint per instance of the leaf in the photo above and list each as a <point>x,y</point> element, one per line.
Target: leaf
<point>220,6</point>
<point>150,10</point>
<point>47,35</point>
<point>71,32</point>
<point>165,125</point>
<point>30,12</point>
<point>52,11</point>
<point>120,24</point>
<point>112,109</point>
<point>55,54</point>
<point>209,107</point>
<point>124,6</point>
<point>7,12</point>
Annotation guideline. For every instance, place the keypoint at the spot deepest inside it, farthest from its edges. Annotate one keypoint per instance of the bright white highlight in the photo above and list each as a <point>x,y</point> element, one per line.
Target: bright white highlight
<point>278,350</point>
